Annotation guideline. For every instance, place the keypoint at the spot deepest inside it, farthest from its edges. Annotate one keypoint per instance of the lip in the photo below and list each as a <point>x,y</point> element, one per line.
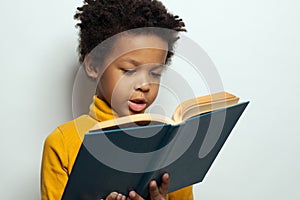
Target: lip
<point>137,104</point>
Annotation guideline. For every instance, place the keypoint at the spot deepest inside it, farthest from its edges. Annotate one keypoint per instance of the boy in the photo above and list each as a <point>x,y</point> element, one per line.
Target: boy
<point>128,70</point>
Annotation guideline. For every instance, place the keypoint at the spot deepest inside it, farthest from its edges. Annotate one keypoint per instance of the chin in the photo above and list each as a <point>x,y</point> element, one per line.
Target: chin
<point>131,112</point>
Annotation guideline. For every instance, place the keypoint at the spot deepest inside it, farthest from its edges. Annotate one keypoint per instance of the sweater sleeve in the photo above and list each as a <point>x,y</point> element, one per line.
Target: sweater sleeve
<point>54,173</point>
<point>182,194</point>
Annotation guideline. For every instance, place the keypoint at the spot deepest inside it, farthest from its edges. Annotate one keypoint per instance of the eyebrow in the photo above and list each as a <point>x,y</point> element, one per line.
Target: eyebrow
<point>130,61</point>
<point>137,63</point>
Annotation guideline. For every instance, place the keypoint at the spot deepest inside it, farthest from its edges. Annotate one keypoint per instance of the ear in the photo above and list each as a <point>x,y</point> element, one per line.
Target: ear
<point>91,70</point>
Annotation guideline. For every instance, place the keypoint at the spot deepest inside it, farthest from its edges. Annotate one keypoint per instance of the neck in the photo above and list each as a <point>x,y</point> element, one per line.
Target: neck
<point>101,110</point>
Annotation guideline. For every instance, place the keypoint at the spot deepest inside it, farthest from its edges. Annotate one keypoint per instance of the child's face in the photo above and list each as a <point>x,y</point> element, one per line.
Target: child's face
<point>130,83</point>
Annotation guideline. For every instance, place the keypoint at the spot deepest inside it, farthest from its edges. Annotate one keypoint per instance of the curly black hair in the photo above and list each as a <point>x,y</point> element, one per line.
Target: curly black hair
<point>102,19</point>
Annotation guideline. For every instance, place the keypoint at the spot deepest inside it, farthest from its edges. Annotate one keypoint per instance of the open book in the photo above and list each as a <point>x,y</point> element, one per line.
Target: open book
<point>119,155</point>
<point>183,111</point>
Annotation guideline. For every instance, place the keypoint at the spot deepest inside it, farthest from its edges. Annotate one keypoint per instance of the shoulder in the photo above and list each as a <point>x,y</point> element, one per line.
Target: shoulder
<point>62,145</point>
<point>70,131</point>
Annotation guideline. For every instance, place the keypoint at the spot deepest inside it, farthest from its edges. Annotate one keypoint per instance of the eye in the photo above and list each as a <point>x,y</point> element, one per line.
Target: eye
<point>155,74</point>
<point>157,71</point>
<point>128,71</point>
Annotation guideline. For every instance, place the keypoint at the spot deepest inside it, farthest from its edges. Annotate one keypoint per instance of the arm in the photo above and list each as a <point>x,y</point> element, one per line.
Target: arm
<point>54,171</point>
<point>56,167</point>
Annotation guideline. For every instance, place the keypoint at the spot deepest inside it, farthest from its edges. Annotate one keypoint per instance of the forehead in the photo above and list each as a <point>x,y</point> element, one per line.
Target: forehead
<point>132,43</point>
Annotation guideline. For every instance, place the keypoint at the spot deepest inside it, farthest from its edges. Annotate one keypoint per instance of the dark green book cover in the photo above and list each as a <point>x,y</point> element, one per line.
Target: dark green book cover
<point>129,158</point>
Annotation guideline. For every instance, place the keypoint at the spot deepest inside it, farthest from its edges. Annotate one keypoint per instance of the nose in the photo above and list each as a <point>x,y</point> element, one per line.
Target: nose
<point>142,83</point>
<point>143,87</point>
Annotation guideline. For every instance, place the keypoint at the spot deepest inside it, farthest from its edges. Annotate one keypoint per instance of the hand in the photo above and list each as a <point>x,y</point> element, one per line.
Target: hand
<point>115,196</point>
<point>156,193</point>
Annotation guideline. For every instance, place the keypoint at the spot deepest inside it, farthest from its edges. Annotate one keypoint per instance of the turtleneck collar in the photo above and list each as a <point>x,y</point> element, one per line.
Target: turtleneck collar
<point>100,111</point>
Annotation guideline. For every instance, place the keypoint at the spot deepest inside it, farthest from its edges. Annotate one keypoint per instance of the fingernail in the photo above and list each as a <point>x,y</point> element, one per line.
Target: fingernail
<point>153,184</point>
<point>114,194</point>
<point>167,176</point>
<point>132,194</point>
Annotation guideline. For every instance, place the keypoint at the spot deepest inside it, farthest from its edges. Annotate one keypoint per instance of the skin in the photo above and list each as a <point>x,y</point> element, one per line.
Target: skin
<point>156,192</point>
<point>129,83</point>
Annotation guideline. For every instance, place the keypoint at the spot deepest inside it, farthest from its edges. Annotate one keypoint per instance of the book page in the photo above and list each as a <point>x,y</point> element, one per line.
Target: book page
<point>203,104</point>
<point>132,121</point>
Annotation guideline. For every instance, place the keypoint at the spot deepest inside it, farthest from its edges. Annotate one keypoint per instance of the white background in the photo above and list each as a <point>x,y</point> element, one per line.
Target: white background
<point>255,46</point>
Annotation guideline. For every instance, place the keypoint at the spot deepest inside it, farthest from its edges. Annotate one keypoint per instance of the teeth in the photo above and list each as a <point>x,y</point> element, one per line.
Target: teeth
<point>137,101</point>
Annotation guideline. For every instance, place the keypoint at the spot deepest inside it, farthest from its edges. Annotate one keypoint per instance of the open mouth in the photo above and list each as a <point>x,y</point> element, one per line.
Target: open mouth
<point>137,105</point>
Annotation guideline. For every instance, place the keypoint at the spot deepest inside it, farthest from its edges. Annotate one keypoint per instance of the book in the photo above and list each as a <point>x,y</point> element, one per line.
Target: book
<point>183,111</point>
<point>127,153</point>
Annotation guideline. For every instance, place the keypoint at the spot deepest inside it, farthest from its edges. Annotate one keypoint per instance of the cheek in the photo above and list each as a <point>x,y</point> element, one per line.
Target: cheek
<point>121,92</point>
<point>122,87</point>
<point>114,86</point>
<point>154,92</point>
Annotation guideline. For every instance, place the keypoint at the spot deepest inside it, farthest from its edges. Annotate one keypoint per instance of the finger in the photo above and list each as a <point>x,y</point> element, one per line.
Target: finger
<point>154,191</point>
<point>123,197</point>
<point>135,196</point>
<point>112,196</point>
<point>163,188</point>
<point>119,197</point>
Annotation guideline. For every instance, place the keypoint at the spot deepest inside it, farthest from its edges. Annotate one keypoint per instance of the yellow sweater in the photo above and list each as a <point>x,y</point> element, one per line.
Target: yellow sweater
<point>61,148</point>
